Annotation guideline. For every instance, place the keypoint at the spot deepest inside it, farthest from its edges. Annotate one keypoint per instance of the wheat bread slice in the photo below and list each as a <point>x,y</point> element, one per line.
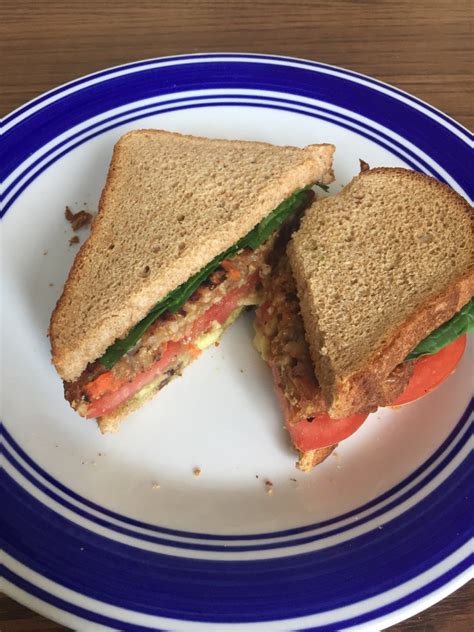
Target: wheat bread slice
<point>378,267</point>
<point>171,203</point>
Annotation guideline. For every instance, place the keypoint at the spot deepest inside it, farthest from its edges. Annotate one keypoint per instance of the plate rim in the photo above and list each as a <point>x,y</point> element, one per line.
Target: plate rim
<point>10,116</point>
<point>65,618</point>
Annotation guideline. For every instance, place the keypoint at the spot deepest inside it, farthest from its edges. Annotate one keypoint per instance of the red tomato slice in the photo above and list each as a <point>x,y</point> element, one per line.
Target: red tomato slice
<point>109,402</point>
<point>431,371</point>
<point>322,431</point>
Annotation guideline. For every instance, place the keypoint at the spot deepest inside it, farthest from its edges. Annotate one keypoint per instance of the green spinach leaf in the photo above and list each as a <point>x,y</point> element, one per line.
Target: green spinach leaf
<point>461,323</point>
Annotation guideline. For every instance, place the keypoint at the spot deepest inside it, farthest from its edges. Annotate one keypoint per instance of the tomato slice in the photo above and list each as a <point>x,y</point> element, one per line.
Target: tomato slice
<point>430,371</point>
<point>322,431</point>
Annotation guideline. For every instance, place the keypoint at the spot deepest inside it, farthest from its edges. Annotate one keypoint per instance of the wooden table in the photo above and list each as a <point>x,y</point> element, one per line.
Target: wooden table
<point>419,46</point>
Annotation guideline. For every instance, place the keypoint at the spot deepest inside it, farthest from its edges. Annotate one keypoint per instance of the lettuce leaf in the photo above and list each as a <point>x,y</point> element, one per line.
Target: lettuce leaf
<point>461,323</point>
<point>175,299</point>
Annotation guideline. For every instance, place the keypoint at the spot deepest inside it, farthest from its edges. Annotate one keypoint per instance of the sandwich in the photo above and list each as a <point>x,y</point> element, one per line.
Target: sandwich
<point>183,226</point>
<point>369,306</point>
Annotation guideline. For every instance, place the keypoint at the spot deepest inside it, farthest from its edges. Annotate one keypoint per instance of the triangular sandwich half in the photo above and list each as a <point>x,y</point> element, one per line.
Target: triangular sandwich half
<point>372,305</point>
<point>182,228</point>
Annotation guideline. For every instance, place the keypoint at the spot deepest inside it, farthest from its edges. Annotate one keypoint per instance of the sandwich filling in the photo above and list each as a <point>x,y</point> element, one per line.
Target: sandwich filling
<point>184,323</point>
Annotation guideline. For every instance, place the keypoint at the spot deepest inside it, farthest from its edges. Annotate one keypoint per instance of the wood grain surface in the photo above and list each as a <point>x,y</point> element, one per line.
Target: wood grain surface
<point>422,47</point>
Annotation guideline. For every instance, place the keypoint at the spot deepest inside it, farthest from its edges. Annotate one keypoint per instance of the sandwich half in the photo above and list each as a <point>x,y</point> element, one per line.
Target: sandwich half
<point>371,306</point>
<point>184,224</point>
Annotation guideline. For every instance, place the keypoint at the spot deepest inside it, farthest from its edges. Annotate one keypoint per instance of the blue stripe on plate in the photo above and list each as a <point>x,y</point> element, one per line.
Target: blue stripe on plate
<point>374,136</point>
<point>30,134</point>
<point>226,547</point>
<point>241,590</point>
<point>131,522</point>
<point>369,616</point>
<point>77,611</point>
<point>193,58</point>
<point>162,107</point>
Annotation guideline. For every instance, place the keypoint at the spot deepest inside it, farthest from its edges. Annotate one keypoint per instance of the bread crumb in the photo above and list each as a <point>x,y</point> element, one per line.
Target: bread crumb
<point>74,240</point>
<point>155,486</point>
<point>217,343</point>
<point>197,471</point>
<point>45,252</point>
<point>269,487</point>
<point>77,220</point>
<point>51,284</point>
<point>294,480</point>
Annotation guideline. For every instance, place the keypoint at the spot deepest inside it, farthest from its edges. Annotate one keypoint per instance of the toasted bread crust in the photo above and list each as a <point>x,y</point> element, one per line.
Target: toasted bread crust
<point>309,459</point>
<point>359,386</point>
<point>351,394</point>
<point>106,292</point>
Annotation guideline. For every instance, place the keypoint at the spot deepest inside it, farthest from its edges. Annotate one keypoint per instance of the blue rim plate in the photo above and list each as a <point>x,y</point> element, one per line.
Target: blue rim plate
<point>368,561</point>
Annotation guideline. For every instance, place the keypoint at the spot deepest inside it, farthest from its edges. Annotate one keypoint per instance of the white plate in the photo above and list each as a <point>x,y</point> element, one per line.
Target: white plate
<point>376,533</point>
